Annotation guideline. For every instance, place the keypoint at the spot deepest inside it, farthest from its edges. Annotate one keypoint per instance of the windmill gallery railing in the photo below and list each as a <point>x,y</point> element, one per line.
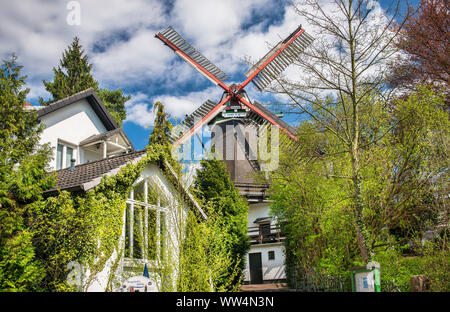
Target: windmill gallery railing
<point>258,235</point>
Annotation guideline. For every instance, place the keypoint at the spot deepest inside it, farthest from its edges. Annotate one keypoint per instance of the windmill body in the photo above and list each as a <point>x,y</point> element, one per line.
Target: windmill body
<point>237,126</point>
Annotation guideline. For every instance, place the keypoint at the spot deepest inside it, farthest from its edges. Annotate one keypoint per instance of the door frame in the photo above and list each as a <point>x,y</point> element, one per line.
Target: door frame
<point>258,271</point>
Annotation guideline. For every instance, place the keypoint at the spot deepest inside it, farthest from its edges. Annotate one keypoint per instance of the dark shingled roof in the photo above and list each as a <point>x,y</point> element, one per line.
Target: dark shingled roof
<point>82,178</point>
<point>87,176</point>
<point>93,99</point>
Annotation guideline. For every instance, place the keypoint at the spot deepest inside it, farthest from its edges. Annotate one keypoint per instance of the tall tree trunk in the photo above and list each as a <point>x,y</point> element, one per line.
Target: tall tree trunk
<point>361,232</point>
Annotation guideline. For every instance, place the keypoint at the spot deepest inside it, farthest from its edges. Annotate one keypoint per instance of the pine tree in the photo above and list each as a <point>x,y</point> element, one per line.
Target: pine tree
<point>72,75</point>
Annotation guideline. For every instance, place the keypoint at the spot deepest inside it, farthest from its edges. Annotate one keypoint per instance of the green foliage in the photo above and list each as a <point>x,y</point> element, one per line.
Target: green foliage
<point>396,269</point>
<point>403,184</point>
<point>22,180</point>
<point>73,75</point>
<point>214,188</point>
<point>161,128</point>
<point>206,262</point>
<point>314,212</point>
<point>82,227</point>
<point>114,101</point>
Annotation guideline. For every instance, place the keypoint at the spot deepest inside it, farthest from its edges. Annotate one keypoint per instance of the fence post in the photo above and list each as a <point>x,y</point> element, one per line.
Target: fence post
<point>420,283</point>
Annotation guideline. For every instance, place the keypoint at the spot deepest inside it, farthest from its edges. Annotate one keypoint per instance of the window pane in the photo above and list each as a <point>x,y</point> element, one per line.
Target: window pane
<point>162,232</point>
<point>127,231</point>
<point>139,192</point>
<point>138,232</point>
<point>152,250</point>
<point>69,155</point>
<point>156,195</point>
<point>59,150</point>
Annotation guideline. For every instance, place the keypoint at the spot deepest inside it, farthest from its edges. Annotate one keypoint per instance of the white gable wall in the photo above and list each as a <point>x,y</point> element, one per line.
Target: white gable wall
<point>176,216</point>
<point>71,124</point>
<point>272,270</point>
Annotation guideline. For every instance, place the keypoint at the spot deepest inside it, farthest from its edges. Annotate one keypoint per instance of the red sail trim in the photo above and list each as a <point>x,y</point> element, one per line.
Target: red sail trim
<point>259,112</point>
<point>178,50</point>
<point>250,78</point>
<point>201,122</point>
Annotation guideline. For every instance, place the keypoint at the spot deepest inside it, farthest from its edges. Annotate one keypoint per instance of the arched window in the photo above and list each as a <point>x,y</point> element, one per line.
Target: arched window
<point>145,221</point>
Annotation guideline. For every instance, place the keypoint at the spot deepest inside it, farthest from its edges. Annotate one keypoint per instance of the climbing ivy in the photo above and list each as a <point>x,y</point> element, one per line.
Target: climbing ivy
<point>87,227</point>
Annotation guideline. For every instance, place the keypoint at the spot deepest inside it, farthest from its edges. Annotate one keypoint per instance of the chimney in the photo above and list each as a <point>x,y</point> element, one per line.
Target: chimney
<point>72,164</point>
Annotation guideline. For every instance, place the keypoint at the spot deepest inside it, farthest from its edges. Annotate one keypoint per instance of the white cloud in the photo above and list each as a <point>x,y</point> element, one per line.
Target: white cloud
<point>179,106</point>
<point>140,58</point>
<point>132,58</point>
<point>139,107</point>
<point>37,31</point>
<point>139,110</point>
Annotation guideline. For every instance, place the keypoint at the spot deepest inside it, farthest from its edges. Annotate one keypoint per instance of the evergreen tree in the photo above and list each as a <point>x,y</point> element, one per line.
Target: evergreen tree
<point>114,101</point>
<point>214,187</point>
<point>22,180</point>
<point>74,75</point>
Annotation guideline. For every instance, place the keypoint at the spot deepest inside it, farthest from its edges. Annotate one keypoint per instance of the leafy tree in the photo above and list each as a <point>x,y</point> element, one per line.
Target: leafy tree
<point>213,186</point>
<point>73,75</point>
<point>22,180</point>
<point>343,67</point>
<point>206,261</point>
<point>425,41</point>
<point>404,179</point>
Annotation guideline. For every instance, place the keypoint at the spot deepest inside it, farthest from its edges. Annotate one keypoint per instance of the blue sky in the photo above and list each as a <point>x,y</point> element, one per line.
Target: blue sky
<point>119,38</point>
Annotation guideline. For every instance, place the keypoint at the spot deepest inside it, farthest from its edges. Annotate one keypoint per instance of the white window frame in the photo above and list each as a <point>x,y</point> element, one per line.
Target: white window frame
<point>131,203</point>
<point>64,154</point>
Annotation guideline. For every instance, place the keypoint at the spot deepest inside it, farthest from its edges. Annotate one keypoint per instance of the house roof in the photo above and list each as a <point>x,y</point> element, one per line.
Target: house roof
<point>87,176</point>
<point>93,99</point>
<point>105,135</point>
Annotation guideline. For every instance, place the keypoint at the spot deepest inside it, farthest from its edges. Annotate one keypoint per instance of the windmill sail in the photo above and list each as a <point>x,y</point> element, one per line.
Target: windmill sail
<point>278,58</point>
<point>189,54</point>
<point>261,74</point>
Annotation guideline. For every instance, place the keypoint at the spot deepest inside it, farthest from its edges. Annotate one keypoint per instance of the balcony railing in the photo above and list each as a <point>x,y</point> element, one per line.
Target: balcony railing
<point>257,237</point>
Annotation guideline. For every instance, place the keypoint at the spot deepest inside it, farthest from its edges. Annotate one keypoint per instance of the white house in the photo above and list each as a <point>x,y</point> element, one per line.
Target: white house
<point>80,127</point>
<point>88,145</point>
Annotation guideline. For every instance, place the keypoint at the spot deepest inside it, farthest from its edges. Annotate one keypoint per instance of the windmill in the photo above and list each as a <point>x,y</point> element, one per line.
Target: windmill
<point>235,109</point>
<point>235,102</point>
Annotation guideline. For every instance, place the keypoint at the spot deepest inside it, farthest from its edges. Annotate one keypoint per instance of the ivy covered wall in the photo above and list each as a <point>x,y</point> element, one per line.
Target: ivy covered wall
<point>87,227</point>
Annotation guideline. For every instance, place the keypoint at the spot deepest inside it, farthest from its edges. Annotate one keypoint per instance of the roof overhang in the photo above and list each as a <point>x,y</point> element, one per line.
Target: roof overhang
<point>92,98</point>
